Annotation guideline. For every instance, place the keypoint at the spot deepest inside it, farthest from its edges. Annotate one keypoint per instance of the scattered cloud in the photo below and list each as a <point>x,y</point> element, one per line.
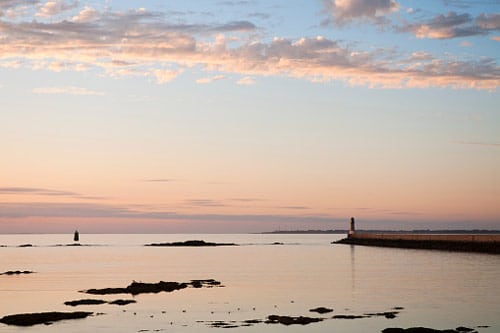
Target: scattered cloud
<point>166,75</point>
<point>31,190</point>
<point>294,207</point>
<point>246,81</point>
<point>479,143</point>
<point>145,44</point>
<point>453,25</point>
<point>247,199</point>
<point>51,8</point>
<point>206,80</point>
<point>44,192</point>
<point>90,210</point>
<point>159,180</point>
<point>204,203</point>
<point>67,91</point>
<point>87,14</point>
<point>345,11</point>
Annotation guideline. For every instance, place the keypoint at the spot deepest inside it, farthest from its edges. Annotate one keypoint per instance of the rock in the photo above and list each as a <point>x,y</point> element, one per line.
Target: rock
<point>287,320</point>
<point>464,329</point>
<point>205,283</point>
<point>136,288</point>
<point>348,317</point>
<point>16,272</point>
<point>85,302</point>
<point>122,302</point>
<point>25,245</point>
<point>416,330</point>
<point>387,314</point>
<point>192,243</point>
<point>321,310</point>
<point>30,319</point>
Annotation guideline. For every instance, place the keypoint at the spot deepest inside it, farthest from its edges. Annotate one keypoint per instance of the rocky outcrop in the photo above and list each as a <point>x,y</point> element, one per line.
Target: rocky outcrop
<point>85,302</point>
<point>288,320</point>
<point>136,288</point>
<point>30,319</point>
<point>426,330</point>
<point>122,302</point>
<point>321,310</point>
<point>192,243</point>
<point>98,302</point>
<point>16,272</point>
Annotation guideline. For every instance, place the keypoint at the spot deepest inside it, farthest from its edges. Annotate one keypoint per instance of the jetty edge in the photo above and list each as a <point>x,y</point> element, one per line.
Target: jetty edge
<point>481,243</point>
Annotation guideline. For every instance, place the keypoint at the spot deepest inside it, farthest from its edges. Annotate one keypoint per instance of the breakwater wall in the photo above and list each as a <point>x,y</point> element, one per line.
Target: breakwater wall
<point>428,237</point>
<point>448,242</point>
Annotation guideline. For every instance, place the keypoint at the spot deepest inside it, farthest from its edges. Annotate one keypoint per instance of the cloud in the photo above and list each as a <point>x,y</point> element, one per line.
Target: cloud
<point>15,8</point>
<point>345,11</point>
<point>165,75</point>
<point>86,15</point>
<point>144,44</point>
<point>67,91</point>
<point>453,25</point>
<point>246,81</point>
<point>45,192</point>
<point>206,80</point>
<point>204,203</point>
<point>294,207</point>
<point>51,8</point>
<point>38,191</point>
<point>489,21</point>
<point>89,210</point>
<point>159,180</point>
<point>479,143</point>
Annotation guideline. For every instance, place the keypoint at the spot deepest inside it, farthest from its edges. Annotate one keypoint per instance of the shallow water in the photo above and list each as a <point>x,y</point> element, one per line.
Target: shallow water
<point>437,289</point>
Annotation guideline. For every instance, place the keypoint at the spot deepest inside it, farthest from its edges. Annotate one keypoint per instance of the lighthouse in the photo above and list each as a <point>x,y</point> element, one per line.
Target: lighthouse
<point>352,229</point>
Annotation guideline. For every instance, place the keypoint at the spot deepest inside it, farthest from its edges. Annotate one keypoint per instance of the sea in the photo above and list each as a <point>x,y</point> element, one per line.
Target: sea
<point>266,274</point>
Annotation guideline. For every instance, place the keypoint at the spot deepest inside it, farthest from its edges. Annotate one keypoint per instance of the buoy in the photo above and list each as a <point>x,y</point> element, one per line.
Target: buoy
<point>76,237</point>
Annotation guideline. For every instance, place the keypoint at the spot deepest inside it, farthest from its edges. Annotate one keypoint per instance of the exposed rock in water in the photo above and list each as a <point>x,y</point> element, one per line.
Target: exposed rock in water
<point>136,288</point>
<point>287,320</point>
<point>192,243</point>
<point>30,319</point>
<point>348,317</point>
<point>387,314</point>
<point>424,330</point>
<point>223,324</point>
<point>16,272</point>
<point>25,245</point>
<point>122,302</point>
<point>85,302</point>
<point>321,310</point>
<point>208,283</point>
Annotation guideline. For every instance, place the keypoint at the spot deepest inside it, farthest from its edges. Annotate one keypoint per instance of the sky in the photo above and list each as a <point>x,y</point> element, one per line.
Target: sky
<point>220,116</point>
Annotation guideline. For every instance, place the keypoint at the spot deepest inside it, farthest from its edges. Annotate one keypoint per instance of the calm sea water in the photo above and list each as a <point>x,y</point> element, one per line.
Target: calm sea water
<point>436,289</point>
